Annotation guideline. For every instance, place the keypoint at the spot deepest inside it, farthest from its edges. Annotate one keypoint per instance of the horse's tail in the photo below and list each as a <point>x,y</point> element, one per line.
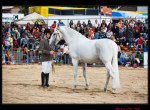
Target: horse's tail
<point>115,67</point>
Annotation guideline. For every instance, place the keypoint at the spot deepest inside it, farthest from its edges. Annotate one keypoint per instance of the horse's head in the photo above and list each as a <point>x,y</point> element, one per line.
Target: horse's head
<point>55,37</point>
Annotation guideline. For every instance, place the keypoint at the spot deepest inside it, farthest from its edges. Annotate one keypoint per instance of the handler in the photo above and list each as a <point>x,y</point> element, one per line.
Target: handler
<point>47,57</point>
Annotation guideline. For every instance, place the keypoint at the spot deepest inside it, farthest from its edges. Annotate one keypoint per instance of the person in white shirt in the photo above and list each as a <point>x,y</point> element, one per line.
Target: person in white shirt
<point>7,42</point>
<point>109,33</point>
<point>66,54</point>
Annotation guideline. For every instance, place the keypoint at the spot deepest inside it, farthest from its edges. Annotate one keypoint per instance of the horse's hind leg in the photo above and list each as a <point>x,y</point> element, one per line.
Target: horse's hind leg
<point>75,64</point>
<point>85,76</point>
<point>107,80</point>
<point>111,72</point>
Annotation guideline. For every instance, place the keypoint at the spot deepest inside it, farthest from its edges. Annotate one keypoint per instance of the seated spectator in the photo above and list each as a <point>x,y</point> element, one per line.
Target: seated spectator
<point>91,34</point>
<point>123,58</point>
<point>115,31</point>
<point>84,24</point>
<point>143,30</point>
<point>42,33</point>
<point>7,58</point>
<point>123,40</point>
<point>121,30</point>
<point>36,24</point>
<point>120,23</point>
<point>113,38</point>
<point>28,26</point>
<point>131,23</point>
<point>82,30</point>
<point>7,42</point>
<point>58,56</point>
<point>60,23</point>
<point>102,34</point>
<point>89,23</point>
<point>36,34</point>
<point>103,24</point>
<point>109,33</point>
<point>132,58</point>
<point>136,36</point>
<point>30,44</point>
<point>138,59</point>
<point>20,30</point>
<point>71,24</point>
<point>86,30</point>
<point>140,44</point>
<point>135,27</point>
<point>25,41</point>
<point>25,55</point>
<point>78,26</point>
<point>12,32</point>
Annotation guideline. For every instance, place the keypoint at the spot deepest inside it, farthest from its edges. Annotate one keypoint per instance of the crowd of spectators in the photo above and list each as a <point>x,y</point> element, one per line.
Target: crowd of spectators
<point>126,33</point>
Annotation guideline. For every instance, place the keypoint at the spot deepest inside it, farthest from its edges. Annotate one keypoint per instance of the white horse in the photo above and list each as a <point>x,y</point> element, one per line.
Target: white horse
<point>89,51</point>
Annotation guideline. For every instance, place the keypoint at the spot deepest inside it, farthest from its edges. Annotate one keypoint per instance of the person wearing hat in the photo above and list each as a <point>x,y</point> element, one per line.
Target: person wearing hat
<point>47,56</point>
<point>31,41</point>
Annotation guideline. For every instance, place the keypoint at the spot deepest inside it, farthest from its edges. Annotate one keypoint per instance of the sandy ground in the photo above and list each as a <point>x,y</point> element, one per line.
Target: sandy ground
<point>21,85</point>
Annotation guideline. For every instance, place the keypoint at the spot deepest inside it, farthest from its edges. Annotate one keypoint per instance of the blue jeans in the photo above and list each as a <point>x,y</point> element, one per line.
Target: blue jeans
<point>137,47</point>
<point>123,61</point>
<point>96,35</point>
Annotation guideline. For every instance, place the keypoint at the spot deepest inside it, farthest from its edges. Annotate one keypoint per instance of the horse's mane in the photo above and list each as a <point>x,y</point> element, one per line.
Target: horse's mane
<point>75,33</point>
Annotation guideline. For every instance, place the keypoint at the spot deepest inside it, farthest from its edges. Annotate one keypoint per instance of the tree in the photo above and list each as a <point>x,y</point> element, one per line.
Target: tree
<point>24,9</point>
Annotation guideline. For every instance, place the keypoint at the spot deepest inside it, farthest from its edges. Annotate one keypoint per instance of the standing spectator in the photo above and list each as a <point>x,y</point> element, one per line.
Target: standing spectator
<point>120,23</point>
<point>34,29</point>
<point>109,33</point>
<point>89,23</point>
<point>12,32</point>
<point>58,56</point>
<point>9,28</point>
<point>146,25</point>
<point>96,33</point>
<point>71,24</point>
<point>130,35</point>
<point>96,25</point>
<point>140,44</point>
<point>60,23</point>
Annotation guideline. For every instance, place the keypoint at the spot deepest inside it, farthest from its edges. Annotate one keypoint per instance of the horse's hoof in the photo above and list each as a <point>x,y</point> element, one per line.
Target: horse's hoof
<point>74,87</point>
<point>104,89</point>
<point>113,91</point>
<point>86,88</point>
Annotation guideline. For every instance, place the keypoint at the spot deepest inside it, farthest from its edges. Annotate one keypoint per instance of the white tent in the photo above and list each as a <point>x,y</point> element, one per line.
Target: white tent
<point>31,18</point>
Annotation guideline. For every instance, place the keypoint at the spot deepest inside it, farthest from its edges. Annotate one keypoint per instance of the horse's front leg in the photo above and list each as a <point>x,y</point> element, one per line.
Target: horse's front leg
<point>75,65</point>
<point>85,76</point>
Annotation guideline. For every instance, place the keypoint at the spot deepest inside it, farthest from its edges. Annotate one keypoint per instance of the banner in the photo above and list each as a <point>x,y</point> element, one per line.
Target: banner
<point>145,59</point>
<point>10,17</point>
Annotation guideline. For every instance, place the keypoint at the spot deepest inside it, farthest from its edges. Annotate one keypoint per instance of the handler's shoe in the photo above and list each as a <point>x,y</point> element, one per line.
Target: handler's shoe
<point>47,79</point>
<point>42,79</point>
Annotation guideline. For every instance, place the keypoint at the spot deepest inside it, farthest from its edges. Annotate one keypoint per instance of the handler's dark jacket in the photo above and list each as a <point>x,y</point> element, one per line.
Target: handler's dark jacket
<point>45,48</point>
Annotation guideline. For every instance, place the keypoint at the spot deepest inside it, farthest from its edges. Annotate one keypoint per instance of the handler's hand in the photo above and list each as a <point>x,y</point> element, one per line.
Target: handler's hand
<point>52,52</point>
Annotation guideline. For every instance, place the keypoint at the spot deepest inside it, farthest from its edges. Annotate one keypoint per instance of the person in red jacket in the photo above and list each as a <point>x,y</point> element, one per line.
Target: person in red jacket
<point>135,27</point>
<point>53,26</point>
<point>140,43</point>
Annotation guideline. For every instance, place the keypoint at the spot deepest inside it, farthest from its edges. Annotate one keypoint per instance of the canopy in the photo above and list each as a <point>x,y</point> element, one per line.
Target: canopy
<point>32,18</point>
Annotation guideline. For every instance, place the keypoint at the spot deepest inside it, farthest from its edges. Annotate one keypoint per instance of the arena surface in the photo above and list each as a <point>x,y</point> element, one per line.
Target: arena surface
<point>21,85</point>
